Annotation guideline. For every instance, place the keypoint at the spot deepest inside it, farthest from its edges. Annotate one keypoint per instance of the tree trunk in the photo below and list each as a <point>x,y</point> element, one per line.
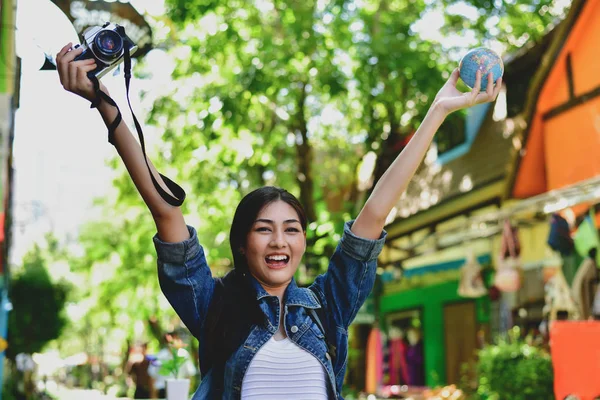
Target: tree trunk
<point>304,153</point>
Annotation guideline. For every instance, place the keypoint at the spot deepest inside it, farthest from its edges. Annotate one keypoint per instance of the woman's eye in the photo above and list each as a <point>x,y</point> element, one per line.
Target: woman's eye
<point>262,229</point>
<point>293,230</point>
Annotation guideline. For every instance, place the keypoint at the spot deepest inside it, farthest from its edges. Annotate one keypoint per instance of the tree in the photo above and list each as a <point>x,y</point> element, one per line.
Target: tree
<point>37,317</point>
<point>38,306</point>
<point>314,96</point>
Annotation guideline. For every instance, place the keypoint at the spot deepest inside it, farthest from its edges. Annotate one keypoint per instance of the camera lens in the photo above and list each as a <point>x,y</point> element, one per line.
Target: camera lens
<point>108,44</point>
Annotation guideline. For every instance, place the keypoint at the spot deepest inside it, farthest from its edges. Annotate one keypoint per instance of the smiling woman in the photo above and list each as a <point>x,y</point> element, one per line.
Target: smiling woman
<point>260,335</point>
<point>274,242</point>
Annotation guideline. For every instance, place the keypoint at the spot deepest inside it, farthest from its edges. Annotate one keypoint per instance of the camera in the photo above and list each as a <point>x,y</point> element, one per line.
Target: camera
<point>106,44</point>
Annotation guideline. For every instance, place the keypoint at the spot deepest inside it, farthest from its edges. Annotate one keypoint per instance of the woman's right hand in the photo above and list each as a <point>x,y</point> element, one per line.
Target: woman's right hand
<point>73,74</point>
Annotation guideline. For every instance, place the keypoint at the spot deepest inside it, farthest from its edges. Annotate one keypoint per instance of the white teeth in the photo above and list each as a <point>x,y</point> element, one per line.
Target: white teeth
<point>277,258</point>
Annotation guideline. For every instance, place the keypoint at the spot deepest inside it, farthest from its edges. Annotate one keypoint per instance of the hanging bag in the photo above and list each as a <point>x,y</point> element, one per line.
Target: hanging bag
<point>508,271</point>
<point>471,283</point>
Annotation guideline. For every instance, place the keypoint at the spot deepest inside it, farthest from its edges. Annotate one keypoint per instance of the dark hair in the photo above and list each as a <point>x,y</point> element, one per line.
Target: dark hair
<point>246,214</point>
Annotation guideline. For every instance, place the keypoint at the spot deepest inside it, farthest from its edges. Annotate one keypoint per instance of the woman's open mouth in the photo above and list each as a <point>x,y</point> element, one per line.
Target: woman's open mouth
<point>277,261</point>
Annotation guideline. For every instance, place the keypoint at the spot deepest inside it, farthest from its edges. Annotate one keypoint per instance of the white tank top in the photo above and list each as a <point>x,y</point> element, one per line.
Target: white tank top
<point>282,369</point>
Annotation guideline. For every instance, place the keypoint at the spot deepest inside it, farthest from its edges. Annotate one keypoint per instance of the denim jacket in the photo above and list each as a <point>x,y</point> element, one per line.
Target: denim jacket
<point>187,282</point>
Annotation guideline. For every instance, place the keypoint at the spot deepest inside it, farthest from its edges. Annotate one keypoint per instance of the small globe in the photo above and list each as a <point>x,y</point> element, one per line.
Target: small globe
<point>482,59</point>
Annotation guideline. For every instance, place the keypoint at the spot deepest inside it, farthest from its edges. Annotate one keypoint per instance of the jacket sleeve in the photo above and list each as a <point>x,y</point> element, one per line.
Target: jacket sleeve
<point>185,279</point>
<point>350,276</point>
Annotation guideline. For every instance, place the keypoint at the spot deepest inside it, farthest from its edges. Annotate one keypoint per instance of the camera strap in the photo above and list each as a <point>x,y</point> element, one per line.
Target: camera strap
<point>178,192</point>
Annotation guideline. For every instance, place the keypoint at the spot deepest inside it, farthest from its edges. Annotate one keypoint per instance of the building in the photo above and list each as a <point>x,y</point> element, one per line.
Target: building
<point>562,118</point>
<point>515,164</point>
<point>561,143</point>
<point>435,228</point>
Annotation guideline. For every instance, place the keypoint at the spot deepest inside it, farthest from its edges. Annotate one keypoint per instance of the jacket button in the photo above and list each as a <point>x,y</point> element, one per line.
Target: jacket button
<point>294,329</point>
<point>328,356</point>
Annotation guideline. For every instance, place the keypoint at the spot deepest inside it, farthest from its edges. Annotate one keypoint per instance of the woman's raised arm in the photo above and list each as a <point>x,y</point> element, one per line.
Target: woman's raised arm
<point>168,219</point>
<point>393,182</point>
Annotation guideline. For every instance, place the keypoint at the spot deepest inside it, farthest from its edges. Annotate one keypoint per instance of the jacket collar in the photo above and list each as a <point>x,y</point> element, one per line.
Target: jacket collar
<point>294,295</point>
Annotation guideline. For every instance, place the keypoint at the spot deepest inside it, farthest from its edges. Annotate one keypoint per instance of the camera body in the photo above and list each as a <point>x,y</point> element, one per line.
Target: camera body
<point>106,44</point>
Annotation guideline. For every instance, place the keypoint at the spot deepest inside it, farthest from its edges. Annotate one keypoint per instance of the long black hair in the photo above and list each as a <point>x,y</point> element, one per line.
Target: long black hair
<point>246,214</point>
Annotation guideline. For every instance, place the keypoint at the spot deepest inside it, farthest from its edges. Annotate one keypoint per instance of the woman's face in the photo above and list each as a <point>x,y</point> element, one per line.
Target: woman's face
<point>275,246</point>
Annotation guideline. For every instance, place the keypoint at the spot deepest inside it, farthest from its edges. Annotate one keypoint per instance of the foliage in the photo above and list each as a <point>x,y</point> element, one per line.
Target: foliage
<point>172,366</point>
<point>314,96</point>
<point>38,304</point>
<point>118,292</point>
<point>513,369</point>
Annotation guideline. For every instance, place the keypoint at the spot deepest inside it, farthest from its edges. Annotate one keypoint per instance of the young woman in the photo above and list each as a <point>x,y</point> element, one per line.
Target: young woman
<point>265,340</point>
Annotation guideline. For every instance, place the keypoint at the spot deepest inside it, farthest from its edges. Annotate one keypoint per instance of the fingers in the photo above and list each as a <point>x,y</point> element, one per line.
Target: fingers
<point>72,68</point>
<point>84,85</point>
<point>63,51</point>
<point>63,58</point>
<point>476,88</point>
<point>454,101</point>
<point>72,73</point>
<point>497,88</point>
<point>454,76</point>
<point>71,54</point>
<point>61,71</point>
<point>87,67</point>
<point>82,72</point>
<point>489,89</point>
<point>490,95</point>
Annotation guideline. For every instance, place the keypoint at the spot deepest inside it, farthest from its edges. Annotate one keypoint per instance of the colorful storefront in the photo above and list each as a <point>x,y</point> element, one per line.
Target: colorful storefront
<point>562,153</point>
<point>525,162</point>
<point>438,314</point>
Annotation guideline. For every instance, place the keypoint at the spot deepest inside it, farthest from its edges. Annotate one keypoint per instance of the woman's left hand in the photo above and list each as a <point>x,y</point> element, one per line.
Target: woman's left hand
<point>450,99</point>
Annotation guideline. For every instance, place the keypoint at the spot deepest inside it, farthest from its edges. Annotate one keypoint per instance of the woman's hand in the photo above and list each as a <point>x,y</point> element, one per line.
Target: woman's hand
<point>450,99</point>
<point>73,74</point>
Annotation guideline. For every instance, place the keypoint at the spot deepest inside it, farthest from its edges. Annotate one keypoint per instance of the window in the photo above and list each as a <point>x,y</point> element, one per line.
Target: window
<point>452,133</point>
<point>459,131</point>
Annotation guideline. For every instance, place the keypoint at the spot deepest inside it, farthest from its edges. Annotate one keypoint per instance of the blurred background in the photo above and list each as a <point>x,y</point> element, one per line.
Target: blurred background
<point>317,97</point>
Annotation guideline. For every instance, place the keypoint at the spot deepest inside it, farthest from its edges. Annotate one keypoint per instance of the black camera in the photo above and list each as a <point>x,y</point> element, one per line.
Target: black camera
<point>106,44</point>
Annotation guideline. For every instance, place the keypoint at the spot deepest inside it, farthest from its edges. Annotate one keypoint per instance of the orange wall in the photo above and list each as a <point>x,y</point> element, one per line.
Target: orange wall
<point>583,45</point>
<point>569,142</point>
<point>572,145</point>
<point>531,176</point>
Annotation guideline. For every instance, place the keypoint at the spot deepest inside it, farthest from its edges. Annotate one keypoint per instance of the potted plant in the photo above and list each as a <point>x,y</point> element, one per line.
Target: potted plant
<point>176,388</point>
<point>515,369</point>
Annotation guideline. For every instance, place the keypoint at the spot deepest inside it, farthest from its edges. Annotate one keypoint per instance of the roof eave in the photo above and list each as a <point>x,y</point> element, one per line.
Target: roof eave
<point>485,194</point>
<point>539,78</point>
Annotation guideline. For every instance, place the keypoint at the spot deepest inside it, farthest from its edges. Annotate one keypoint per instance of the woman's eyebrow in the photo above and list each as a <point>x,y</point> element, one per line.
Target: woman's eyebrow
<point>269,221</point>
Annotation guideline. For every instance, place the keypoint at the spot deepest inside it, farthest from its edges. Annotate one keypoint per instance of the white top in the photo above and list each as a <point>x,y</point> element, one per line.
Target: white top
<point>282,369</point>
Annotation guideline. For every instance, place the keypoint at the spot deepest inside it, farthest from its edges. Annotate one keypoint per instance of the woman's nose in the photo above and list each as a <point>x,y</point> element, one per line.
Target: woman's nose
<point>278,239</point>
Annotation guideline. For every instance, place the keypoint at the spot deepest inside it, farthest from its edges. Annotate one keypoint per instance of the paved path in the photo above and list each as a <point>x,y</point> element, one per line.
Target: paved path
<point>64,393</point>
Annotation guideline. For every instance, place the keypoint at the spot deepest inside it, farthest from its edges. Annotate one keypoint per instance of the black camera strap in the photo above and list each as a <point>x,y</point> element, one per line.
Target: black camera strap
<point>178,192</point>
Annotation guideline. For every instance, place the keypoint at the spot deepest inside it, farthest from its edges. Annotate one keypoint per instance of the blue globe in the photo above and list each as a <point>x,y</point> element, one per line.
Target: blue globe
<point>482,59</point>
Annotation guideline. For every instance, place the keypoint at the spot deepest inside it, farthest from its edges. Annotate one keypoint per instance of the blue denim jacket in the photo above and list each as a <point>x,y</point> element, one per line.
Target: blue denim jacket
<point>187,282</point>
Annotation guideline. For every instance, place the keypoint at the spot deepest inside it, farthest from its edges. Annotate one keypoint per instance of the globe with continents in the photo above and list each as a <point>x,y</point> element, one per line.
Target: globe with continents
<point>482,59</point>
